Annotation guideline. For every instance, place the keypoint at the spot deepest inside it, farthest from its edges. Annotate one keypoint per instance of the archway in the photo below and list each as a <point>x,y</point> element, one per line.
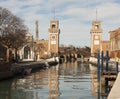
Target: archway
<point>27,54</point>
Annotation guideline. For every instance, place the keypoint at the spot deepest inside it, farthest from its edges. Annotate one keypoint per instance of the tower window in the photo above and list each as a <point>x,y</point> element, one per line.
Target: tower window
<point>96,26</point>
<point>53,25</point>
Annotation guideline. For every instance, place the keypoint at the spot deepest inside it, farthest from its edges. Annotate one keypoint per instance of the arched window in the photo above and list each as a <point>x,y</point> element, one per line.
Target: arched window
<point>53,25</point>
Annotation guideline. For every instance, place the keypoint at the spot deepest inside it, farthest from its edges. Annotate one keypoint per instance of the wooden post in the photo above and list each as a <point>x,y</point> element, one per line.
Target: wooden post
<point>117,67</point>
<point>106,80</point>
<point>102,60</point>
<point>98,93</point>
<point>98,67</point>
<point>98,75</point>
<point>107,59</point>
<point>117,60</point>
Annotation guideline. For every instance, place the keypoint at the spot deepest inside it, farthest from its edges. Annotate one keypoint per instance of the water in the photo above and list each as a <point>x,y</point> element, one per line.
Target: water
<point>64,81</point>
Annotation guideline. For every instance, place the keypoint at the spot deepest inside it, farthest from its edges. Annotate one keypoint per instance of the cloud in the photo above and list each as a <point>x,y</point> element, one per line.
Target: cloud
<point>75,17</point>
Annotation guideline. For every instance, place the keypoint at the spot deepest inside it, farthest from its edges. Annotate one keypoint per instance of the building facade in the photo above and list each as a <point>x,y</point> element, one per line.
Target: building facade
<point>27,51</point>
<point>41,48</point>
<point>115,43</point>
<point>54,31</point>
<point>106,46</point>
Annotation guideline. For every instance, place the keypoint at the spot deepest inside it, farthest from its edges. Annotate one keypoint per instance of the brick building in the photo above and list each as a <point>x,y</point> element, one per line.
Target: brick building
<point>41,48</point>
<point>115,43</point>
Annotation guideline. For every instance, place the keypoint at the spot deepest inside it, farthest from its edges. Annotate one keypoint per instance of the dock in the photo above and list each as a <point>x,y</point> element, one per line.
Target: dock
<point>111,75</point>
<point>107,76</point>
<point>107,81</point>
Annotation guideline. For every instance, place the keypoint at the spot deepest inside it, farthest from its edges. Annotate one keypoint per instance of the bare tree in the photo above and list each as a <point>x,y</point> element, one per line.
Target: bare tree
<point>12,30</point>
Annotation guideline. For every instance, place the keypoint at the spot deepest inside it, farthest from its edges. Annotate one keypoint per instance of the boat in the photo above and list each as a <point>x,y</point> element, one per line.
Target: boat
<point>26,71</point>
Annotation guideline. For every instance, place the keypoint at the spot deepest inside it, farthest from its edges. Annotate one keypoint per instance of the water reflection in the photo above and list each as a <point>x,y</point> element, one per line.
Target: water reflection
<point>64,81</point>
<point>42,84</point>
<point>97,91</point>
<point>75,81</point>
<point>93,71</point>
<point>5,89</point>
<point>53,79</point>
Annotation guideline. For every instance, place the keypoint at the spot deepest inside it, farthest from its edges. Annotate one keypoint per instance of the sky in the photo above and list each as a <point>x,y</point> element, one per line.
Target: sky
<point>75,17</point>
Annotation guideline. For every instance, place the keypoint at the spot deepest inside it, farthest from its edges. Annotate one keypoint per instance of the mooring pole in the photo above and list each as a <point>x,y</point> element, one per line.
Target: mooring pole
<point>102,60</point>
<point>98,68</point>
<point>106,80</point>
<point>117,67</point>
<point>107,59</point>
<point>117,60</point>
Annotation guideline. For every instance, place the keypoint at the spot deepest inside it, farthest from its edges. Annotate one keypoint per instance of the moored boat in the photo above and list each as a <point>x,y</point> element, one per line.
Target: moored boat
<point>27,71</point>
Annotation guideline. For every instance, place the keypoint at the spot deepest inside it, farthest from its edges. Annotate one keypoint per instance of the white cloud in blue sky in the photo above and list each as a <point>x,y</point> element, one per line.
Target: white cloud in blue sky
<point>75,17</point>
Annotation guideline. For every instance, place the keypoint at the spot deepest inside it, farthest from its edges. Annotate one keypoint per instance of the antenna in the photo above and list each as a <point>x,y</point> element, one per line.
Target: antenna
<point>54,13</point>
<point>96,14</point>
<point>37,36</point>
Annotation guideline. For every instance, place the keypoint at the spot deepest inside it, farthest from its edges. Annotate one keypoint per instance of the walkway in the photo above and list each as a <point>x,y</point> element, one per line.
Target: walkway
<point>115,91</point>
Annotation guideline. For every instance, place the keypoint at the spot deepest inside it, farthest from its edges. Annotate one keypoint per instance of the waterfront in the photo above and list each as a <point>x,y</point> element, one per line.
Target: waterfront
<point>64,81</point>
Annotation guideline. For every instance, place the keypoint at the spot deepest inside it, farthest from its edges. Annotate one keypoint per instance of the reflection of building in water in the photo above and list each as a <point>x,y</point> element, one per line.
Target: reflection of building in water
<point>69,68</point>
<point>53,79</point>
<point>29,87</point>
<point>84,67</point>
<point>30,82</point>
<point>94,79</point>
<point>74,68</point>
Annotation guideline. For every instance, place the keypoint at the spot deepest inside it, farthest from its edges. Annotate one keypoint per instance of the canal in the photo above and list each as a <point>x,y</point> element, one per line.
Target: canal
<point>65,81</point>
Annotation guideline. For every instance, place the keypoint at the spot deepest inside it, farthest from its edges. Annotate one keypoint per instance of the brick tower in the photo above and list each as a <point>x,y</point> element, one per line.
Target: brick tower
<point>96,37</point>
<point>54,32</point>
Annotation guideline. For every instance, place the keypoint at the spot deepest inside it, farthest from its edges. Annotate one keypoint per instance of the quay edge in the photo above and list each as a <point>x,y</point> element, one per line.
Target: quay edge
<point>14,69</point>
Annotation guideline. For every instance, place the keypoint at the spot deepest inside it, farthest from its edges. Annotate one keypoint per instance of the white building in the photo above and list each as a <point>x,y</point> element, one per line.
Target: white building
<point>27,51</point>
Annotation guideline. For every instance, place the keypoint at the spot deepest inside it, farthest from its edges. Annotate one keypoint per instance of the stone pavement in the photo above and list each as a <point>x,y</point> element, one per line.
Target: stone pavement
<point>115,91</point>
